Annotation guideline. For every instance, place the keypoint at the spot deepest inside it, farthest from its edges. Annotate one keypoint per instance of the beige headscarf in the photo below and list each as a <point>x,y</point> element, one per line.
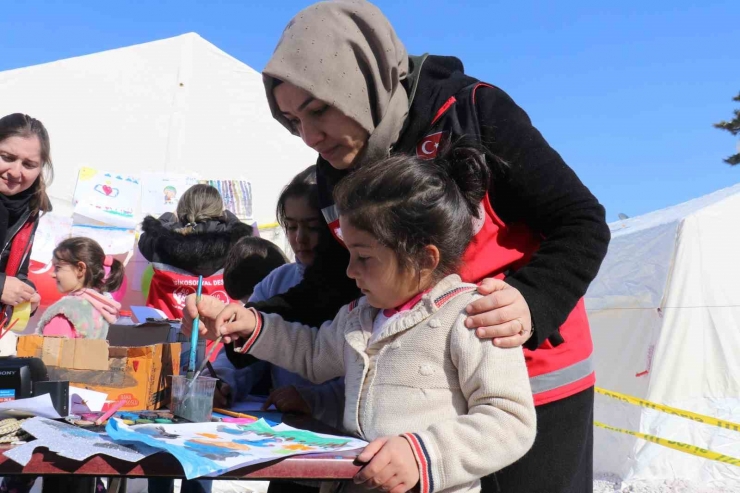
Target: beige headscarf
<point>346,53</point>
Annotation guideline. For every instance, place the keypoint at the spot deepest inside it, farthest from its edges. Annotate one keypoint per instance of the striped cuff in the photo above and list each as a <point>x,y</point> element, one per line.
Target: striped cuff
<point>426,482</point>
<point>253,338</point>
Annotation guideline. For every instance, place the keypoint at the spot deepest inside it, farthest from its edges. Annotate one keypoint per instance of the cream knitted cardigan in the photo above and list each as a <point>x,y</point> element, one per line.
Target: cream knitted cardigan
<point>464,405</point>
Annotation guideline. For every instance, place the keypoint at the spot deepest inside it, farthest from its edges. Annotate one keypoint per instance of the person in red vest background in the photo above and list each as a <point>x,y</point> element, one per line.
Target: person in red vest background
<point>342,81</point>
<point>25,159</point>
<point>194,241</point>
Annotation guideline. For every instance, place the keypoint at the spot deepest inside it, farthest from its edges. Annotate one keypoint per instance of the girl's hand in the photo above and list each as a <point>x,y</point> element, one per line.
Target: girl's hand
<point>208,309</point>
<point>502,314</point>
<point>16,291</point>
<point>391,465</point>
<point>287,400</point>
<point>235,321</point>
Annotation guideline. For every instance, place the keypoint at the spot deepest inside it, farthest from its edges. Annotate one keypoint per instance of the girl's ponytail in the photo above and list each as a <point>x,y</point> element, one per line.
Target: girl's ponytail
<point>464,163</point>
<point>114,279</point>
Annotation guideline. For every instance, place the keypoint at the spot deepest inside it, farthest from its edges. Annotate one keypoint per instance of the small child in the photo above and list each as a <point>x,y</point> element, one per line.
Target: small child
<point>441,407</point>
<point>87,310</point>
<point>249,261</point>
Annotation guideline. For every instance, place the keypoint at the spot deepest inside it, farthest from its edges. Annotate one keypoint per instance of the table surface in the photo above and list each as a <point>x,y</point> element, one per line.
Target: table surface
<point>332,466</point>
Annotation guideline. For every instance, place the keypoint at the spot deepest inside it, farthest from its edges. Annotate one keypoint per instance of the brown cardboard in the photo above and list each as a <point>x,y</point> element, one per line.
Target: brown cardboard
<point>138,335</point>
<point>138,375</point>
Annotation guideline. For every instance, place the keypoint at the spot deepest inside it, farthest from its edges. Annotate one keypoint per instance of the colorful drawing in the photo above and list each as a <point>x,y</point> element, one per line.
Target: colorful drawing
<point>237,196</point>
<point>210,449</point>
<point>103,198</point>
<point>160,192</point>
<point>51,231</point>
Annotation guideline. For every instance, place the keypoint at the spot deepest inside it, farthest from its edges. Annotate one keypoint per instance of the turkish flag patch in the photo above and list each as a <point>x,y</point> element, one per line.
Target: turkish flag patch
<point>428,147</point>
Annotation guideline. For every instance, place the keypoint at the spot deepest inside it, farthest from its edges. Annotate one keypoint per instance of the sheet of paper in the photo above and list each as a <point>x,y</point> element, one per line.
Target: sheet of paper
<point>141,313</point>
<point>72,442</point>
<point>33,406</point>
<point>160,192</point>
<point>85,401</point>
<point>113,240</point>
<point>52,229</point>
<point>210,449</point>
<point>103,198</point>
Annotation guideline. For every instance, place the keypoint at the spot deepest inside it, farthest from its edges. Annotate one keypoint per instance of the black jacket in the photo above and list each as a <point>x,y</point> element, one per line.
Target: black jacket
<point>202,252</point>
<point>537,189</point>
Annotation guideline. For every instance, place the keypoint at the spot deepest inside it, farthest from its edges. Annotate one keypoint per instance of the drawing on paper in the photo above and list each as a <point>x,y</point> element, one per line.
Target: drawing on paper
<point>160,192</point>
<point>210,449</point>
<point>106,198</point>
<point>237,196</point>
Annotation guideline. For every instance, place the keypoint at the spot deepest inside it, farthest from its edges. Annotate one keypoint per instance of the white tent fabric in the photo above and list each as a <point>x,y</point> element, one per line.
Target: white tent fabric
<point>665,317</point>
<point>178,105</point>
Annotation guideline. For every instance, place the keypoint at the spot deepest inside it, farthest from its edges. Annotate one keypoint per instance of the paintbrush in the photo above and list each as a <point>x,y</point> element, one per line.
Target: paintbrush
<point>194,334</point>
<point>204,362</point>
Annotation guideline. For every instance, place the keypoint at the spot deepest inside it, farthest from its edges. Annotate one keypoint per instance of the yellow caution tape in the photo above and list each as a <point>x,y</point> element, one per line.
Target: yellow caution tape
<point>680,446</point>
<point>20,317</point>
<point>268,226</point>
<point>699,418</point>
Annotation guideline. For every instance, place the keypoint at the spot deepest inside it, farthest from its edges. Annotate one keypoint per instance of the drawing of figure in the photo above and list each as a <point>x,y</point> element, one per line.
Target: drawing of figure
<point>170,194</point>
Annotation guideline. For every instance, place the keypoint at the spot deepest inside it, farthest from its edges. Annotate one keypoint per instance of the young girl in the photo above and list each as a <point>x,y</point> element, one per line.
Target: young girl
<point>440,407</point>
<point>80,271</point>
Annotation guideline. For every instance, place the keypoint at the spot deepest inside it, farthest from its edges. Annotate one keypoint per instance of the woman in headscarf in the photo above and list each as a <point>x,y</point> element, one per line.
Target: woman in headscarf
<point>341,80</point>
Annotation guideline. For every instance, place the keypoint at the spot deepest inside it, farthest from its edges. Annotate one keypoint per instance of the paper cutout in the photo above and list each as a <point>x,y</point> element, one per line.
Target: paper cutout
<point>72,442</point>
<point>215,448</point>
<point>85,401</point>
<point>103,198</point>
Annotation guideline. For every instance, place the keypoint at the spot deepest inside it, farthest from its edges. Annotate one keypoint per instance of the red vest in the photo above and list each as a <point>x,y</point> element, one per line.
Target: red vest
<point>557,369</point>
<point>170,287</point>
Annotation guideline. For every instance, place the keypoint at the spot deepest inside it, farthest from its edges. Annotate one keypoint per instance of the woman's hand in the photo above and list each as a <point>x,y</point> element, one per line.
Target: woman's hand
<point>287,400</point>
<point>209,308</point>
<point>35,301</point>
<point>16,291</point>
<point>390,465</point>
<point>502,314</point>
<point>235,322</point>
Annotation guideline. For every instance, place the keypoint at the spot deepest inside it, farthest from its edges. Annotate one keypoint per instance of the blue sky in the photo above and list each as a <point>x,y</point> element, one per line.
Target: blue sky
<point>626,92</point>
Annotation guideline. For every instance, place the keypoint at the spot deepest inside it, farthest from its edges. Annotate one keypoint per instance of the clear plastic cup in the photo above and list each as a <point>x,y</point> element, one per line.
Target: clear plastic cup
<point>193,403</point>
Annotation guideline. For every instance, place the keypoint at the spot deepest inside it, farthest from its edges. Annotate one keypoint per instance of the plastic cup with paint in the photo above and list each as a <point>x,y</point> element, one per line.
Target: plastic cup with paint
<point>193,402</point>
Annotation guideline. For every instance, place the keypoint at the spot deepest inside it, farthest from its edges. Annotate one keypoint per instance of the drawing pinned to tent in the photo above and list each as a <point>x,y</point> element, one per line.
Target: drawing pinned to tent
<point>237,196</point>
<point>113,240</point>
<point>160,192</point>
<point>210,449</point>
<point>51,231</point>
<point>106,198</point>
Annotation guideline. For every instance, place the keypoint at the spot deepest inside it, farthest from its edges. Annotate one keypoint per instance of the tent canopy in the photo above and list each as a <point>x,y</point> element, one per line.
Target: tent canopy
<point>665,317</point>
<point>178,105</point>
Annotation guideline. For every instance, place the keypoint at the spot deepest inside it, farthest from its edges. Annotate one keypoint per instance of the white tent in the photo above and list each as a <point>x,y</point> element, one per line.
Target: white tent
<point>665,317</point>
<point>178,105</point>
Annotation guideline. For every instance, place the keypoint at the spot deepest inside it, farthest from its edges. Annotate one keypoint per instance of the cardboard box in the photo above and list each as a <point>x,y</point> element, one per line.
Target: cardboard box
<point>137,374</point>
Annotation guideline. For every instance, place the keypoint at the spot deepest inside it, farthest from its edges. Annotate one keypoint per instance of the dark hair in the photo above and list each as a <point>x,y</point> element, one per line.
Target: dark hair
<point>199,203</point>
<point>249,261</point>
<point>302,185</point>
<point>90,253</point>
<point>20,125</point>
<point>407,204</point>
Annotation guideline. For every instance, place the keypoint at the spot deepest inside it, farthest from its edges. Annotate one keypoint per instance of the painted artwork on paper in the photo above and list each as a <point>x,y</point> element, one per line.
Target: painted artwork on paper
<point>103,198</point>
<point>237,195</point>
<point>160,192</point>
<point>210,449</point>
<point>51,231</point>
<point>73,442</point>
